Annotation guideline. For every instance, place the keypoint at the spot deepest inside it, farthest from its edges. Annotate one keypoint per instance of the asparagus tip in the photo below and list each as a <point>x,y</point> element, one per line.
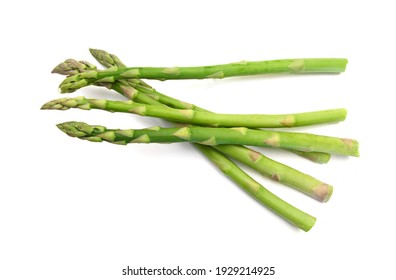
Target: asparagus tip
<point>83,131</point>
<point>93,51</point>
<point>102,57</point>
<point>67,103</point>
<point>77,129</point>
<point>54,105</point>
<point>72,67</point>
<point>71,128</point>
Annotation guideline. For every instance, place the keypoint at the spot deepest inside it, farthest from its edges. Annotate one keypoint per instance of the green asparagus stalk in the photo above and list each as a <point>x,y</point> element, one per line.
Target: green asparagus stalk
<point>244,68</point>
<point>203,118</point>
<point>293,215</point>
<point>254,159</point>
<point>215,136</point>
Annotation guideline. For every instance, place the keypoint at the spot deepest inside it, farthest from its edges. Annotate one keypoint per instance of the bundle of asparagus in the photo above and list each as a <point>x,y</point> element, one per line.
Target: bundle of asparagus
<point>220,137</point>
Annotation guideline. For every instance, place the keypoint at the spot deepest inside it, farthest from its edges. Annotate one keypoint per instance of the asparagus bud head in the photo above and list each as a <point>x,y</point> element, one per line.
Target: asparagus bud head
<point>73,67</point>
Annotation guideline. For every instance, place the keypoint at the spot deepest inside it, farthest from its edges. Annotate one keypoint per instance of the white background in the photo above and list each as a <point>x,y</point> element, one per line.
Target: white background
<point>71,209</point>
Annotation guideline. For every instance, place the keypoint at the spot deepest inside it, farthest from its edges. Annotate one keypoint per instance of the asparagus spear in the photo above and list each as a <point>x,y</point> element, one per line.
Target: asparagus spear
<point>306,65</point>
<point>203,118</point>
<point>293,215</point>
<point>214,136</point>
<point>254,159</point>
